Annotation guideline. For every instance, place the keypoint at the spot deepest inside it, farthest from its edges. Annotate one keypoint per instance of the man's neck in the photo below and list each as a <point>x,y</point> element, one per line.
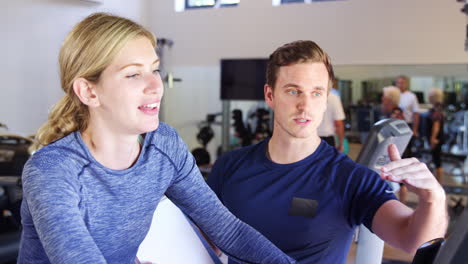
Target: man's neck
<point>283,150</point>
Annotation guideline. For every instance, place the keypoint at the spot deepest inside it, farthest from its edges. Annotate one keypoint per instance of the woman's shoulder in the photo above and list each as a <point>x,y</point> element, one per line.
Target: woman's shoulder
<point>164,130</point>
<point>164,135</point>
<point>165,138</point>
<point>63,153</point>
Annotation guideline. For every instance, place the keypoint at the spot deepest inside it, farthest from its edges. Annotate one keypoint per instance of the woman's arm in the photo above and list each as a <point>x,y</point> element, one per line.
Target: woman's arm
<point>235,238</point>
<point>435,131</point>
<point>52,199</point>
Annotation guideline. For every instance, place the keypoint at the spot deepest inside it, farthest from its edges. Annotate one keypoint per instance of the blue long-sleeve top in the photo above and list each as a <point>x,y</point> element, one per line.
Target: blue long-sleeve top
<point>75,210</point>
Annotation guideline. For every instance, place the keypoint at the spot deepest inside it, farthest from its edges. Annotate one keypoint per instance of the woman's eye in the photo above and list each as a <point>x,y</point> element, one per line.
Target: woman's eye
<point>133,76</point>
<point>157,71</point>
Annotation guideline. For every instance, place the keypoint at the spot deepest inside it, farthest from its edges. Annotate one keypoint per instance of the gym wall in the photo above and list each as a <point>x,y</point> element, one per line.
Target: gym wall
<point>32,32</point>
<point>352,32</point>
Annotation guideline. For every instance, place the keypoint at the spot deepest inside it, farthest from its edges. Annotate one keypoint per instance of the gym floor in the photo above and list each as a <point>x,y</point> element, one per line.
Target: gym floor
<point>456,189</point>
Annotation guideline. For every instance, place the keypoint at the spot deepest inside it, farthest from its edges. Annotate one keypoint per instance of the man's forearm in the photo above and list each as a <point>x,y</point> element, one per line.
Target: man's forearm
<point>416,123</point>
<point>429,221</point>
<point>339,130</point>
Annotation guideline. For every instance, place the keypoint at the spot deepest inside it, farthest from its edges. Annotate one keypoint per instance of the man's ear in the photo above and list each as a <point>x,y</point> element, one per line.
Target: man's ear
<point>268,92</point>
<point>86,92</point>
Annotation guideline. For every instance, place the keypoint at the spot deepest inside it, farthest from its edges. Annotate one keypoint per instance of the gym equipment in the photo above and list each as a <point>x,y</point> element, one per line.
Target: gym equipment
<point>13,155</point>
<point>204,136</point>
<point>428,251</point>
<point>454,250</point>
<point>262,127</point>
<point>173,239</point>
<point>10,220</point>
<point>240,131</point>
<point>451,251</point>
<point>374,155</point>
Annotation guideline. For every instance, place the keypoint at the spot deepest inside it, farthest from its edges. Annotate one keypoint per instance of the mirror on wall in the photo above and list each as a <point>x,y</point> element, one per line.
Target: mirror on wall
<point>361,84</point>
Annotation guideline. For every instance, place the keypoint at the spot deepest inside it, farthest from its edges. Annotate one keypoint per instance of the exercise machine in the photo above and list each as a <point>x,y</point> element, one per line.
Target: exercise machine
<point>13,155</point>
<point>173,238</point>
<point>374,155</point>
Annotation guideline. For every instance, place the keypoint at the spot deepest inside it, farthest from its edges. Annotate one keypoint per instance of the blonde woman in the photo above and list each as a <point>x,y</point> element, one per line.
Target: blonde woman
<point>104,160</point>
<point>390,100</point>
<point>435,129</point>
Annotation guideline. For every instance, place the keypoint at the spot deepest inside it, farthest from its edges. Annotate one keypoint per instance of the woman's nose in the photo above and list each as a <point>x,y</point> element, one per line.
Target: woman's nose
<point>154,84</point>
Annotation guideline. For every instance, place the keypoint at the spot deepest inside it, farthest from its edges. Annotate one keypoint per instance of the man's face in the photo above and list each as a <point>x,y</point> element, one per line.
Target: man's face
<point>402,83</point>
<point>298,100</point>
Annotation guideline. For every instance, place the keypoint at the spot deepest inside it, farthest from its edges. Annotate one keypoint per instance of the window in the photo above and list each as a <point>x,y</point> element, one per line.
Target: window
<point>190,4</point>
<point>291,1</point>
<point>282,2</point>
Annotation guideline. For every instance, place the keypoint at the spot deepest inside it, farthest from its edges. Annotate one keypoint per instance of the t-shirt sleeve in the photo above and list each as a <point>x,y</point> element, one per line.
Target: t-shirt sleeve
<point>338,111</point>
<point>436,116</point>
<point>193,196</point>
<point>51,194</point>
<point>364,193</point>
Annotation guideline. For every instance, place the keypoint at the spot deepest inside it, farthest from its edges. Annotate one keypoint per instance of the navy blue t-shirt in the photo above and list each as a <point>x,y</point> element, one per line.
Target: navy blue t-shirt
<point>310,208</point>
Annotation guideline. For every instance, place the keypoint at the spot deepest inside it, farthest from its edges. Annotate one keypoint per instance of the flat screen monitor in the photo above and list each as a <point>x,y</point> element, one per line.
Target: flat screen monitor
<point>243,79</point>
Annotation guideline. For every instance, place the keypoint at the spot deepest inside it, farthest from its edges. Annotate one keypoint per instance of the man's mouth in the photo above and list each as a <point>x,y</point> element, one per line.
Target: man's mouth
<point>302,121</point>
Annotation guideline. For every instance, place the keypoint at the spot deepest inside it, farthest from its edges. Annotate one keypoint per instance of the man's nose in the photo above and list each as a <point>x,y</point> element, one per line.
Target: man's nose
<point>304,102</point>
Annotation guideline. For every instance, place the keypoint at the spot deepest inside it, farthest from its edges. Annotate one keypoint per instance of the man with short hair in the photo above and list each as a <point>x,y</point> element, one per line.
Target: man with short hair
<point>408,103</point>
<point>410,106</point>
<point>304,195</point>
<point>332,122</point>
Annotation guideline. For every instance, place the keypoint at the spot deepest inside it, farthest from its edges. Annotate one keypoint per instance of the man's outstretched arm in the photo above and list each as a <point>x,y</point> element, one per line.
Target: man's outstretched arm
<point>402,226</point>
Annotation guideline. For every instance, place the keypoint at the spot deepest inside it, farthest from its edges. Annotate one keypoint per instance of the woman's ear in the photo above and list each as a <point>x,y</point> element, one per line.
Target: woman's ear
<point>86,92</point>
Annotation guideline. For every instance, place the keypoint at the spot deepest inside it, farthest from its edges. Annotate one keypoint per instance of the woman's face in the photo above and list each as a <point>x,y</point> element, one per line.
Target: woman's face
<point>130,90</point>
<point>387,105</point>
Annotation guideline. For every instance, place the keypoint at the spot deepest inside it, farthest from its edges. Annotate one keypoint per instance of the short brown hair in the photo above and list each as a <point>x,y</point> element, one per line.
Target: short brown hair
<point>299,51</point>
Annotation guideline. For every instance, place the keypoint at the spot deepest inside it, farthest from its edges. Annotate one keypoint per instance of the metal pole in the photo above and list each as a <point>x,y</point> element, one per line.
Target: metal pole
<point>226,126</point>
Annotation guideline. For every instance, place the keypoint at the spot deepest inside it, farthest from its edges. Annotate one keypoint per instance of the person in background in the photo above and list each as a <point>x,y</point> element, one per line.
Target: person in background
<point>397,113</point>
<point>303,194</point>
<point>435,129</point>
<point>390,101</point>
<point>333,121</point>
<point>389,109</point>
<point>410,106</point>
<point>104,160</point>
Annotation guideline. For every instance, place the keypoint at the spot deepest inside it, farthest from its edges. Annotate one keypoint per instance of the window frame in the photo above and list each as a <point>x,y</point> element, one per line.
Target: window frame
<point>188,6</point>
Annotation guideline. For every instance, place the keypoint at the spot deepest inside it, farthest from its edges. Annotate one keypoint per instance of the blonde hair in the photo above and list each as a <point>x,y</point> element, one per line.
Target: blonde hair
<point>87,50</point>
<point>393,93</point>
<point>436,95</point>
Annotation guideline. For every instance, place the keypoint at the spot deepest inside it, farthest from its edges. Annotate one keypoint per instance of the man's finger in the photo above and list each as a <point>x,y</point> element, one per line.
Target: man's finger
<point>409,170</point>
<point>399,164</point>
<point>393,152</point>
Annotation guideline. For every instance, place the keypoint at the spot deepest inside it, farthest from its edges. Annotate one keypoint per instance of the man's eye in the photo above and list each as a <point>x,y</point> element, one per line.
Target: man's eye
<point>316,93</point>
<point>292,92</point>
<point>157,71</point>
